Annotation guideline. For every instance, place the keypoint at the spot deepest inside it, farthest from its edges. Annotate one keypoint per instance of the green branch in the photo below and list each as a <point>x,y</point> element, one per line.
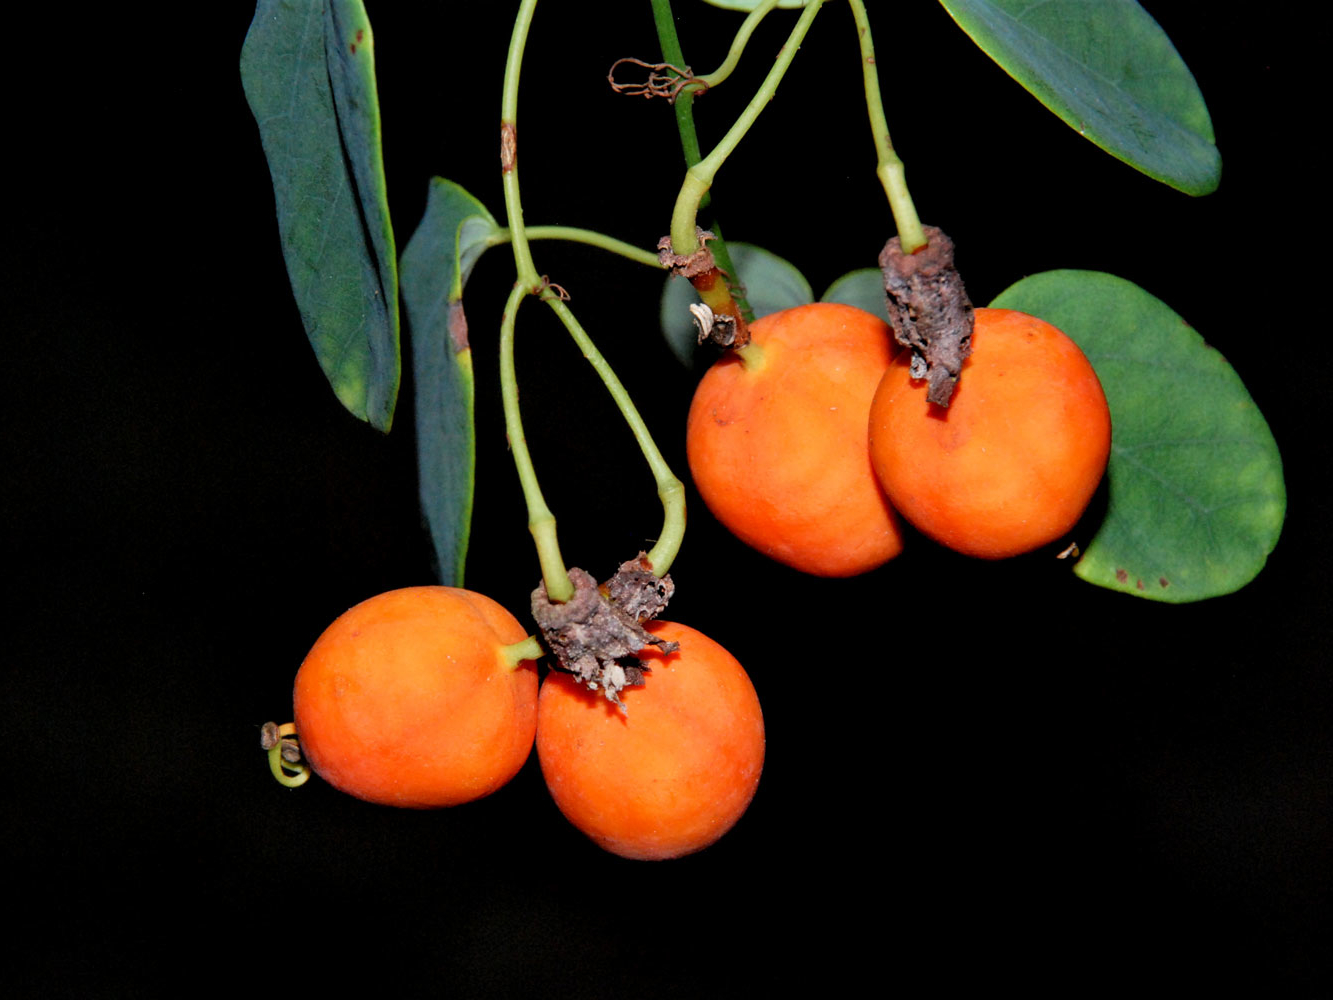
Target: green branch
<point>585,236</point>
<point>699,177</point>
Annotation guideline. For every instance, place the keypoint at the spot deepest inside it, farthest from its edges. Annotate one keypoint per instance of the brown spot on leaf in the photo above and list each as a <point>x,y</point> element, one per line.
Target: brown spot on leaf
<point>1163,581</point>
<point>458,327</point>
<point>1122,576</point>
<point>1139,584</point>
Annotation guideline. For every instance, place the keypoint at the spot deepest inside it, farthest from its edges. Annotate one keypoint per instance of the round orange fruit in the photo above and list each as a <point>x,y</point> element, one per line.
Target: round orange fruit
<point>777,443</point>
<point>673,772</point>
<point>409,699</point>
<point>1011,464</point>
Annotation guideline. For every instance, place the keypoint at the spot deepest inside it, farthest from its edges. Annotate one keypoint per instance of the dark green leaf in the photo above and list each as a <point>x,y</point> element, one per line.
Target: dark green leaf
<point>1111,73</point>
<point>309,74</point>
<point>863,289</point>
<point>1196,497</point>
<point>436,262</point>
<point>771,284</point>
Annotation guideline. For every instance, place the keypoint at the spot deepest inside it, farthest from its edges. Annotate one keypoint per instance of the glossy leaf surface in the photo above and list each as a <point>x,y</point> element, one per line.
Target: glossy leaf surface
<point>1196,497</point>
<point>309,75</point>
<point>436,262</point>
<point>1111,73</point>
<point>771,284</point>
<point>862,288</point>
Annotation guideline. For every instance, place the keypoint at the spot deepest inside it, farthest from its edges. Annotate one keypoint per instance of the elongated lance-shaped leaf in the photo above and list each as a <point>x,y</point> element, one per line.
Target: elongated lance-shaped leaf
<point>309,75</point>
<point>436,262</point>
<point>1111,73</point>
<point>1196,497</point>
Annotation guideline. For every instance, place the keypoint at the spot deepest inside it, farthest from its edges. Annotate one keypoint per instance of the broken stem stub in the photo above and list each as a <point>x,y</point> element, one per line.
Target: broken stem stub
<point>929,310</point>
<point>596,635</point>
<point>722,324</point>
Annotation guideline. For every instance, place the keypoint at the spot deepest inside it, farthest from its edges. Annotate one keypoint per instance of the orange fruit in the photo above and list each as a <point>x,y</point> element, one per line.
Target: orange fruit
<point>408,699</point>
<point>1012,462</point>
<point>777,442</point>
<point>672,773</point>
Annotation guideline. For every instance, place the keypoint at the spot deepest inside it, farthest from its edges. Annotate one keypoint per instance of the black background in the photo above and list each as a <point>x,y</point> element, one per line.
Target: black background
<point>977,774</point>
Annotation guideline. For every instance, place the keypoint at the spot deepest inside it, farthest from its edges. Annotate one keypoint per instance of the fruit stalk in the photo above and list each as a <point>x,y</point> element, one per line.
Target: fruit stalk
<point>889,169</point>
<point>541,522</point>
<point>711,284</point>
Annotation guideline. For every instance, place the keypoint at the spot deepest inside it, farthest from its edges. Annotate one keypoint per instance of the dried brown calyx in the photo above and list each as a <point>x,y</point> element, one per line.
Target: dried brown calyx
<point>596,635</point>
<point>929,310</point>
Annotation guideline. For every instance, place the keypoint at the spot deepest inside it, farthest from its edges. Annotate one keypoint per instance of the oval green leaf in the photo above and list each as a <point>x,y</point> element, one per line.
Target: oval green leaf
<point>308,69</point>
<point>862,288</point>
<point>453,233</point>
<point>1111,73</point>
<point>771,285</point>
<point>1196,497</point>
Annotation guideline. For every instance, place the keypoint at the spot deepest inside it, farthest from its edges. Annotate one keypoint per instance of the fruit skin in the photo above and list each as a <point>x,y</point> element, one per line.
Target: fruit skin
<point>778,449</point>
<point>1011,464</point>
<point>407,699</point>
<point>671,774</point>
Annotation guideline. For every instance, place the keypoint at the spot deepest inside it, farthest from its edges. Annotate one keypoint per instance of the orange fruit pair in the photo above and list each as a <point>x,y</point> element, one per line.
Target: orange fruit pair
<point>410,699</point>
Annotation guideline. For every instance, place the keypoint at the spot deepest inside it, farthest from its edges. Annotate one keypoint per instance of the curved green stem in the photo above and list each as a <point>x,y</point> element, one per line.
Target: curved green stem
<point>527,270</point>
<point>541,522</point>
<point>699,178</point>
<point>889,169</point>
<point>689,144</point>
<point>669,489</point>
<point>289,774</point>
<point>586,236</point>
<point>738,44</point>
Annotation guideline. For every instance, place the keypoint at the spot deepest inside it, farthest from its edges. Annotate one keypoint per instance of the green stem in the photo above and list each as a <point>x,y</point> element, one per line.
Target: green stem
<point>665,22</point>
<point>889,169</point>
<point>586,236</point>
<point>699,178</point>
<point>689,140</point>
<point>669,489</point>
<point>738,45</point>
<point>528,649</point>
<point>541,522</point>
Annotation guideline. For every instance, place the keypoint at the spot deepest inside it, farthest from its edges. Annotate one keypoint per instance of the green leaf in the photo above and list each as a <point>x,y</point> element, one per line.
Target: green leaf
<point>1111,73</point>
<point>1196,497</point>
<point>308,68</point>
<point>863,288</point>
<point>454,231</point>
<point>771,284</point>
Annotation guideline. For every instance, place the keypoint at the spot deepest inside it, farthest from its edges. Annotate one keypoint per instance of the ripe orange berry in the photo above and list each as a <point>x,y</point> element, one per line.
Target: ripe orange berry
<point>1012,462</point>
<point>672,773</point>
<point>777,441</point>
<point>409,700</point>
